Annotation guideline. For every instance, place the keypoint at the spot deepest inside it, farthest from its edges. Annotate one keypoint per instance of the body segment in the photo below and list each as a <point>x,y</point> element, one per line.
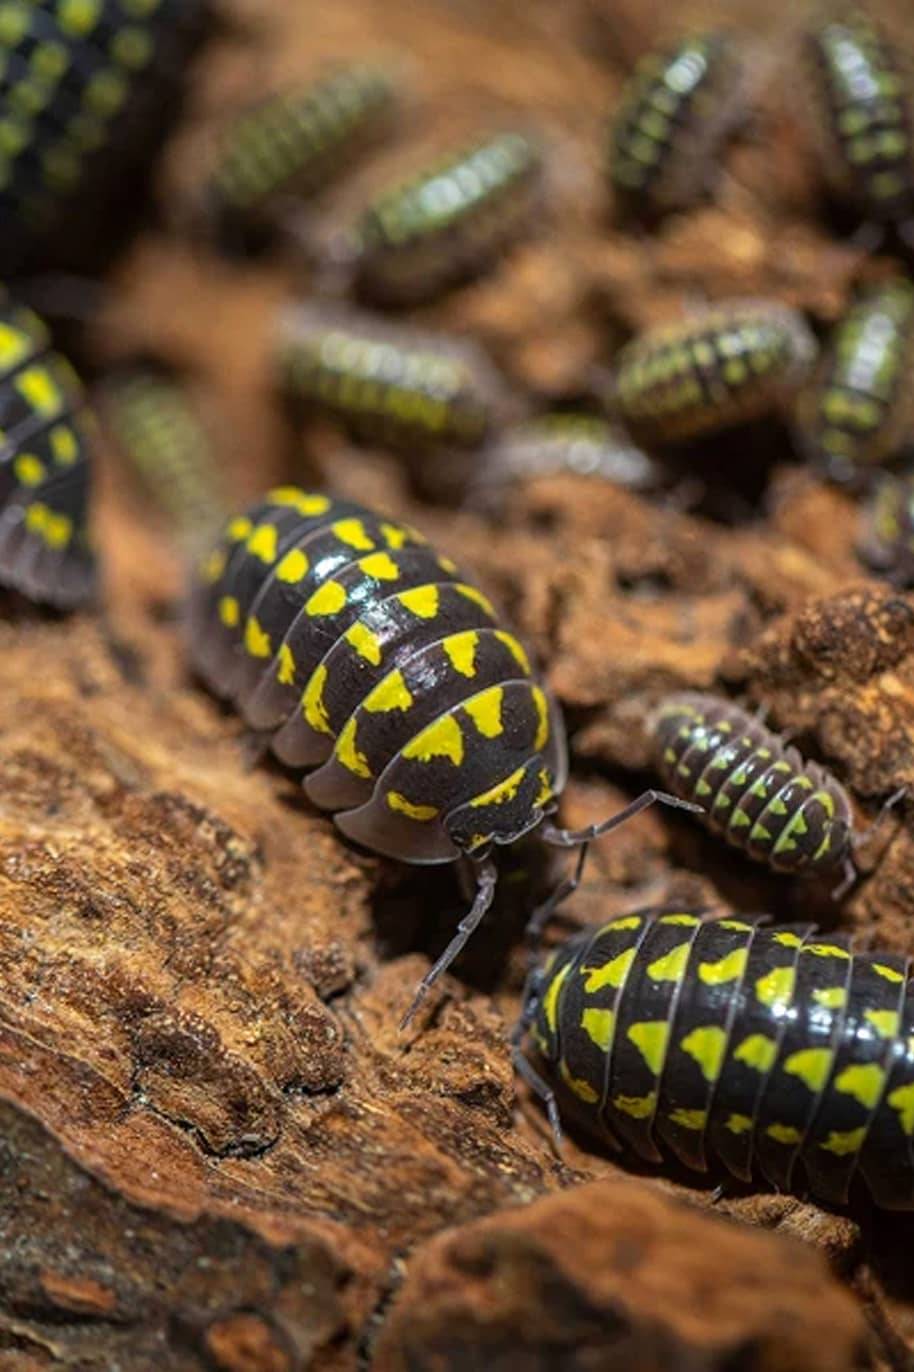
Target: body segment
<point>725,1043</point>
<point>726,366</point>
<point>887,544</point>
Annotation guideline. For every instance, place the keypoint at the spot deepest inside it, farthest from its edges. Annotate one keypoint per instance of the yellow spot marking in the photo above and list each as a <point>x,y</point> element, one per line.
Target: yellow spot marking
<point>256,641</point>
<point>394,535</point>
<point>687,921</point>
<point>581,1088</point>
<point>78,17</point>
<point>447,565</point>
<point>783,1133</point>
<point>502,791</point>
<point>863,1081</point>
<point>672,966</point>
<point>826,950</point>
<point>599,1026</point>
<point>262,543</point>
<point>885,1022</point>
<point>229,611</point>
<point>56,529</point>
<point>390,694</point>
<point>902,1101</point>
<point>422,813</point>
<point>625,922</point>
<point>738,1124</point>
<point>348,754</point>
<point>14,346</point>
<point>40,390</point>
<point>352,532</point>
<point>757,1052</point>
<point>461,652</point>
<point>639,1107</point>
<point>306,502</point>
<point>312,701</point>
<point>843,1142</point>
<point>30,470</point>
<point>213,565</point>
<point>285,669</point>
<point>551,996</point>
<point>707,1045</point>
<point>485,711</point>
<point>811,1065</point>
<point>515,649</point>
<point>776,987</point>
<point>365,642</point>
<point>542,724</point>
<point>787,940</point>
<point>292,567</point>
<point>381,566</point>
<point>612,973</point>
<point>423,601</point>
<point>329,599</point>
<point>442,738</point>
<point>64,445</point>
<point>689,1119</point>
<point>736,924</point>
<point>890,973</point>
<point>238,528</point>
<point>471,593</point>
<point>545,791</point>
<point>728,968</point>
<point>650,1038</point>
<point>831,997</point>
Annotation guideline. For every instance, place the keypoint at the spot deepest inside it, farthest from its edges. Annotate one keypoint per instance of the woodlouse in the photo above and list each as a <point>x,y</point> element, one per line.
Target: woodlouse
<point>887,544</point>
<point>728,365</point>
<point>45,551</point>
<point>858,411</point>
<point>677,110</point>
<point>449,223</point>
<point>720,1042</point>
<point>366,655</point>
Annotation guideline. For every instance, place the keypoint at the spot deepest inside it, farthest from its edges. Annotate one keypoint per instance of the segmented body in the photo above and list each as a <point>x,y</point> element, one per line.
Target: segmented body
<point>858,413</point>
<point>676,112</point>
<point>864,103</point>
<point>392,387</point>
<point>298,141</point>
<point>161,436</point>
<point>723,1043</point>
<point>888,536</point>
<point>758,793</point>
<point>450,223</point>
<point>369,657</point>
<point>727,366</point>
<point>88,89</point>
<point>45,551</point>
<point>563,444</point>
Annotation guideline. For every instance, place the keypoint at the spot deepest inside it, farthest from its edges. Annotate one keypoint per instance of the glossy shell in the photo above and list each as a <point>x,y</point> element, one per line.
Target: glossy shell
<point>726,366</point>
<point>45,551</point>
<point>298,141</point>
<point>858,412</point>
<point>88,90</point>
<point>887,544</point>
<point>863,103</point>
<point>758,793</point>
<point>450,223</point>
<point>162,438</point>
<point>371,659</point>
<point>751,1049</point>
<point>393,387</point>
<point>676,112</point>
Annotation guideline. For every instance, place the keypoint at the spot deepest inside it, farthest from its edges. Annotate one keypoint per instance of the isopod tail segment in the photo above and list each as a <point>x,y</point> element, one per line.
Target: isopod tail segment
<point>487,878</point>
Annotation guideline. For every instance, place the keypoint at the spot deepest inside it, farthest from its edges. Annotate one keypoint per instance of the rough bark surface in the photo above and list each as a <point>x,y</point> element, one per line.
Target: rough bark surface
<point>217,1151</point>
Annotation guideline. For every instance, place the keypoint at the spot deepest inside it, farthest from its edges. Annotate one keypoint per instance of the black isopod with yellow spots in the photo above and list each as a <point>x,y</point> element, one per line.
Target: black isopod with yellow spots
<point>45,462</point>
<point>450,223</point>
<point>371,659</point>
<point>757,792</point>
<point>677,110</point>
<point>730,364</point>
<point>722,1043</point>
<point>88,90</point>
<point>863,101</point>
